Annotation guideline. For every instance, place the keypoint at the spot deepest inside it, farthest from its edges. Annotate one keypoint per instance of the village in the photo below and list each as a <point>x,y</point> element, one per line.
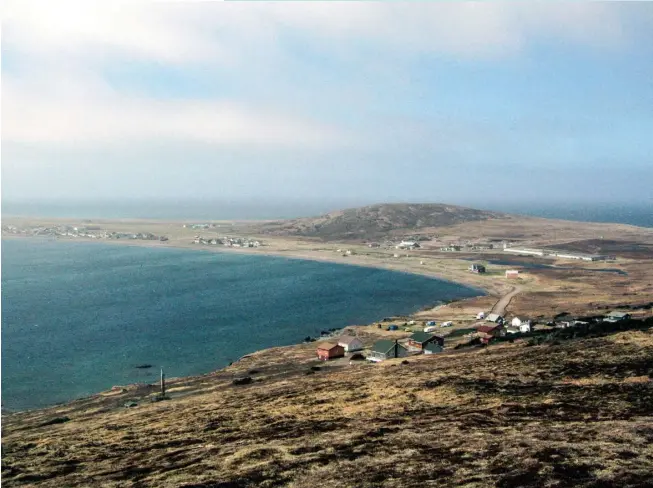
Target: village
<point>227,241</point>
<point>413,338</point>
<point>69,231</point>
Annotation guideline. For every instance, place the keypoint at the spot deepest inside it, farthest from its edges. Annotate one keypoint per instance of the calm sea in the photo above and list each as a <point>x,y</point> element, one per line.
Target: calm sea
<point>78,317</point>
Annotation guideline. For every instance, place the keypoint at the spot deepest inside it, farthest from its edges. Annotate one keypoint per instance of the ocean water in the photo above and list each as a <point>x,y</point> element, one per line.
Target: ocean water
<point>640,214</point>
<point>78,317</point>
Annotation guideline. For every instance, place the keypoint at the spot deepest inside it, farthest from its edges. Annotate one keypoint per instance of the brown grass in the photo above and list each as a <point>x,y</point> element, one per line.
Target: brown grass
<point>574,414</point>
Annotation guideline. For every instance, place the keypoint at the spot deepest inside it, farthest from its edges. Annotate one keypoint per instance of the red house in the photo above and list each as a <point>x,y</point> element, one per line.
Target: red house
<point>492,330</point>
<point>327,350</point>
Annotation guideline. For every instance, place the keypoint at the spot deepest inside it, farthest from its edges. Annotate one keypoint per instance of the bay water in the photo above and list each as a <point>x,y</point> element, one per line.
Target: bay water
<point>77,318</point>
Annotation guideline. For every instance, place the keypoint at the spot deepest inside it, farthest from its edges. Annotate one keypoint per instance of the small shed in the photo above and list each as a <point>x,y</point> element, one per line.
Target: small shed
<point>433,348</point>
<point>420,339</point>
<point>525,327</point>
<point>480,315</point>
<point>328,350</point>
<point>516,322</point>
<point>512,274</point>
<point>477,268</point>
<point>350,343</point>
<point>385,349</point>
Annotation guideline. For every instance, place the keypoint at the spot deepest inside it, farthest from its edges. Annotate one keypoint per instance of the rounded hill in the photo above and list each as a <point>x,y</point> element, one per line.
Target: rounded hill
<point>375,221</point>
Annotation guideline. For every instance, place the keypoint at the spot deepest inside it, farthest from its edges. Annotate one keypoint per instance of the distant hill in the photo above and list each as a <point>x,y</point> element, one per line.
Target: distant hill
<point>376,221</point>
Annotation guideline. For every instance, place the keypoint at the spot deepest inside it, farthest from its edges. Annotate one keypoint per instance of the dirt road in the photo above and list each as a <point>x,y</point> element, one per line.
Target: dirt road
<point>500,307</point>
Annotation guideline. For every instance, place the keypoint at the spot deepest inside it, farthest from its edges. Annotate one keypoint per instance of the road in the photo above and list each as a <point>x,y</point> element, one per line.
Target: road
<point>500,307</point>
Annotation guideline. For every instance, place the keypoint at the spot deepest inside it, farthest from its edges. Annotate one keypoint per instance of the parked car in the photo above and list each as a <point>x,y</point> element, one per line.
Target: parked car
<point>393,327</point>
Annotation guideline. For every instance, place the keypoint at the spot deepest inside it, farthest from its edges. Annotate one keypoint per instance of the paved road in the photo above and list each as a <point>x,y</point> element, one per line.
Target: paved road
<point>500,307</point>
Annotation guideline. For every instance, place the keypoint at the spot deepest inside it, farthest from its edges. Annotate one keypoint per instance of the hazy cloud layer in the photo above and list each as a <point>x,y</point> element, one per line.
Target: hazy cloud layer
<point>379,92</point>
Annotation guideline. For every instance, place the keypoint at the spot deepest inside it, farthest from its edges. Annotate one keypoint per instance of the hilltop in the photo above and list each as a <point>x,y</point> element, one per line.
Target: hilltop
<point>573,412</point>
<point>378,221</point>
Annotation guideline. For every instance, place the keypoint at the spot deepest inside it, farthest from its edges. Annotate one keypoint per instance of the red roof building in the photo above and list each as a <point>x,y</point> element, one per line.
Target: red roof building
<point>491,330</point>
<point>327,350</point>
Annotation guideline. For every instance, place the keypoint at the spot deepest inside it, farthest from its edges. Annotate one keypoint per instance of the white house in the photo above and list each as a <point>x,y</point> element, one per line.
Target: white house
<point>407,245</point>
<point>350,343</point>
<point>516,322</point>
<point>525,327</point>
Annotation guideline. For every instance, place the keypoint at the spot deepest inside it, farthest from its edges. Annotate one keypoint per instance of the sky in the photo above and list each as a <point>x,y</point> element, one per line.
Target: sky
<point>467,103</point>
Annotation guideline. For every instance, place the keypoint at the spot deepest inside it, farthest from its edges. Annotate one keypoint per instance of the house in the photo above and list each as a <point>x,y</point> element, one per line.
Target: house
<point>384,349</point>
<point>433,348</point>
<point>407,245</point>
<point>450,248</point>
<point>477,268</point>
<point>516,322</point>
<point>525,327</point>
<point>491,330</point>
<point>328,350</point>
<point>350,343</point>
<point>617,316</point>
<point>495,318</point>
<point>420,339</point>
<point>512,273</point>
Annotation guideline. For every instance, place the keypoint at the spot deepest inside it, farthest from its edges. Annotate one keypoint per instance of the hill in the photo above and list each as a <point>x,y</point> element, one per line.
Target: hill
<point>574,412</point>
<point>376,221</point>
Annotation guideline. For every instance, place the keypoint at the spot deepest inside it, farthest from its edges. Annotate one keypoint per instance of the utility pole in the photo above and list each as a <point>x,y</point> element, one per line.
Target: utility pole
<point>163,383</point>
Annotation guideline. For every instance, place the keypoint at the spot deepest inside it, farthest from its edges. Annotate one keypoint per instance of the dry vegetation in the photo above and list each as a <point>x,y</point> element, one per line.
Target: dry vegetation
<point>573,414</point>
<point>377,221</point>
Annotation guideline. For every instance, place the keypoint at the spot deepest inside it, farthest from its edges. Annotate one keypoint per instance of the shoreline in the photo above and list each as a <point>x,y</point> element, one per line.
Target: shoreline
<point>290,254</point>
<point>299,254</point>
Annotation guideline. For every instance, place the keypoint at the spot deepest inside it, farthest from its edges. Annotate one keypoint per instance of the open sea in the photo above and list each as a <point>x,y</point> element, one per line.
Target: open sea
<point>77,318</point>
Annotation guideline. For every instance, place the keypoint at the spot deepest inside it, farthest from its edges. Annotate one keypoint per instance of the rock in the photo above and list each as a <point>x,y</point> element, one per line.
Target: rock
<point>54,421</point>
<point>242,381</point>
<point>143,366</point>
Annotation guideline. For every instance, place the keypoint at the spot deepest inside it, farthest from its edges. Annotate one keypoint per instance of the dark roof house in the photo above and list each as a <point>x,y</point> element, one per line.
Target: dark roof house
<point>385,349</point>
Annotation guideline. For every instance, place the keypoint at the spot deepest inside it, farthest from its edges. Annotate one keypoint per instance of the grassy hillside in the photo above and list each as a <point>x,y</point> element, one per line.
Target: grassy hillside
<point>573,413</point>
<point>375,221</point>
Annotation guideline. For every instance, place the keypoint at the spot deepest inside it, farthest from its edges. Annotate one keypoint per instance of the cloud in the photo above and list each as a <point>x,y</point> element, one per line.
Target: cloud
<point>191,32</point>
<point>72,108</point>
<point>56,90</point>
